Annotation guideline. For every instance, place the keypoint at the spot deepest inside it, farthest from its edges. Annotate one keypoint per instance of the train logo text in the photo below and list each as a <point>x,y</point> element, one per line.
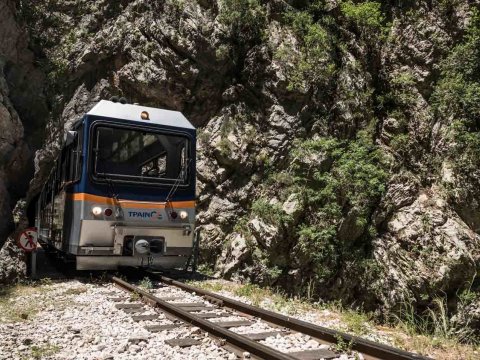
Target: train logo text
<point>144,215</point>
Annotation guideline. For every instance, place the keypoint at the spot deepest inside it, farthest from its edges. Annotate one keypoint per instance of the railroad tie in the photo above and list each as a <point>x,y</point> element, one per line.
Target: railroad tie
<point>187,304</point>
<point>129,306</point>
<point>314,354</point>
<point>158,328</point>
<point>230,324</point>
<point>169,298</point>
<point>170,317</point>
<point>211,315</point>
<point>138,318</point>
<point>198,308</point>
<point>264,335</point>
<point>118,299</point>
<point>185,342</point>
<point>133,310</point>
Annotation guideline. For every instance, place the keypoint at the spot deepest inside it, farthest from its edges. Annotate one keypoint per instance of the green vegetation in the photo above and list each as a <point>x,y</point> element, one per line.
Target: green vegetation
<point>428,334</point>
<point>342,346</point>
<point>135,296</point>
<point>312,62</point>
<point>245,22</point>
<point>76,291</point>
<point>310,65</point>
<point>333,180</point>
<point>457,98</point>
<point>244,18</point>
<point>206,269</point>
<point>44,351</point>
<point>355,321</point>
<point>257,296</point>
<point>366,14</point>
<point>272,213</point>
<point>146,283</point>
<point>435,322</point>
<point>13,308</point>
<point>353,184</point>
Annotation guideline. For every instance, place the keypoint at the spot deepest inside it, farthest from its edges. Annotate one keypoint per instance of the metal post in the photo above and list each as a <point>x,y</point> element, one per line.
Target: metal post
<point>192,259</point>
<point>33,265</point>
<point>196,250</point>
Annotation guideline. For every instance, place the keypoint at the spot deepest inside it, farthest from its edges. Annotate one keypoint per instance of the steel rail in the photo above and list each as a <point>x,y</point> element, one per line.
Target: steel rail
<point>367,347</point>
<point>254,348</point>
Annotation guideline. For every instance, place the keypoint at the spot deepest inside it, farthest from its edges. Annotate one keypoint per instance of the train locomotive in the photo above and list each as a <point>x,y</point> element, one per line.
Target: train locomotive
<point>122,191</point>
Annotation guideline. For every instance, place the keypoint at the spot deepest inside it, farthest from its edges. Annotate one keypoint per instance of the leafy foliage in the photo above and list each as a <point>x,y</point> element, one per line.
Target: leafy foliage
<point>457,96</point>
<point>312,63</point>
<point>332,179</point>
<point>272,213</point>
<point>245,21</point>
<point>366,14</point>
<point>355,182</point>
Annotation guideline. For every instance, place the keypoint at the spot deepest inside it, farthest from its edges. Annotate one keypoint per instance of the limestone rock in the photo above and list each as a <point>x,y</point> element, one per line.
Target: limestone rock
<point>351,228</point>
<point>12,265</point>
<point>402,190</point>
<point>425,251</point>
<point>292,206</point>
<point>233,255</point>
<point>263,233</point>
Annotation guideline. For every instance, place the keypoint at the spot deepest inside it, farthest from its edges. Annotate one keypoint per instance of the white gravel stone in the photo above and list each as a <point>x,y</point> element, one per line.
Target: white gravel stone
<point>86,325</point>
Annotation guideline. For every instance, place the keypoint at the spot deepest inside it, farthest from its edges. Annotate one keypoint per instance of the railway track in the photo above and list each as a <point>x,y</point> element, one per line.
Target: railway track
<point>243,329</point>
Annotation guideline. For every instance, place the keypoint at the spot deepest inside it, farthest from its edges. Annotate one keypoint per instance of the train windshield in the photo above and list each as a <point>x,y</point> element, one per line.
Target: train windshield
<point>137,155</point>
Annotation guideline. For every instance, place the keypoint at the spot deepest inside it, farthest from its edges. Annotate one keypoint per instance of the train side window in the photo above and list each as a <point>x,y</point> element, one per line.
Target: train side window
<point>73,157</point>
<point>64,173</point>
<point>76,163</point>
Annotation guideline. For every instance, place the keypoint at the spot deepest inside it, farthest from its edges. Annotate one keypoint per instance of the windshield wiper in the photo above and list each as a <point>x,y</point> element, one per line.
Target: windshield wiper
<point>176,184</point>
<point>112,192</point>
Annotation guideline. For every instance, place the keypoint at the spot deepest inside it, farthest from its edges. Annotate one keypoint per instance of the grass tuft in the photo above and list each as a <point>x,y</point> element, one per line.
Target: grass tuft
<point>146,283</point>
<point>44,351</point>
<point>431,334</point>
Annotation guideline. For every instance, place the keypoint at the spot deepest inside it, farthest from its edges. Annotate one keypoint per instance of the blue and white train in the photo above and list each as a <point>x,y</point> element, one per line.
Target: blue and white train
<point>122,192</point>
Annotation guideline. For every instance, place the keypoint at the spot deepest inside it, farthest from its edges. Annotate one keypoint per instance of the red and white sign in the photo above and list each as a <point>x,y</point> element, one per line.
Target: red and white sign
<point>28,239</point>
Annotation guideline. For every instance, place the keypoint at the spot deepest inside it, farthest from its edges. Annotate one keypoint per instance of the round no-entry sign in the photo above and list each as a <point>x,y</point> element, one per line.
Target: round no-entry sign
<point>28,239</point>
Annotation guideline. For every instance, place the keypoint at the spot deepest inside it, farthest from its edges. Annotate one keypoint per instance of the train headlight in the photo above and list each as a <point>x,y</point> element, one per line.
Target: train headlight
<point>183,214</point>
<point>96,210</point>
<point>142,247</point>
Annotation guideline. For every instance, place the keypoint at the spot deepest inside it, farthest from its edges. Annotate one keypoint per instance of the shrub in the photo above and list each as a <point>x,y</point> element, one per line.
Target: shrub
<point>354,180</point>
<point>312,63</point>
<point>245,21</point>
<point>456,100</point>
<point>271,213</point>
<point>366,14</point>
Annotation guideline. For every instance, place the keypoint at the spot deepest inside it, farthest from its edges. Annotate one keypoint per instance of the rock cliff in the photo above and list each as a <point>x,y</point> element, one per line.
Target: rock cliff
<point>338,140</point>
<point>23,110</point>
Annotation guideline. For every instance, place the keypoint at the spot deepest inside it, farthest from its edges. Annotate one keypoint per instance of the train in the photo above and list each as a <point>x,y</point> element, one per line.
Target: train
<point>122,190</point>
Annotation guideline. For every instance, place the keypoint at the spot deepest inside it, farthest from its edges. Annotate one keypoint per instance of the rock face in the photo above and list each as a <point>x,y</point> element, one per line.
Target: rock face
<point>327,139</point>
<point>427,248</point>
<point>12,263</point>
<point>22,109</point>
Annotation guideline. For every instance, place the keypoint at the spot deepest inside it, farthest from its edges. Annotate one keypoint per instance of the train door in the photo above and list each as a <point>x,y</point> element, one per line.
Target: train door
<point>44,211</point>
<point>68,172</point>
<point>54,205</point>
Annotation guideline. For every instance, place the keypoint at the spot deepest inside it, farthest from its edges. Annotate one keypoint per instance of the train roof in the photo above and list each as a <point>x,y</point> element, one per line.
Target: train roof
<point>118,110</point>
